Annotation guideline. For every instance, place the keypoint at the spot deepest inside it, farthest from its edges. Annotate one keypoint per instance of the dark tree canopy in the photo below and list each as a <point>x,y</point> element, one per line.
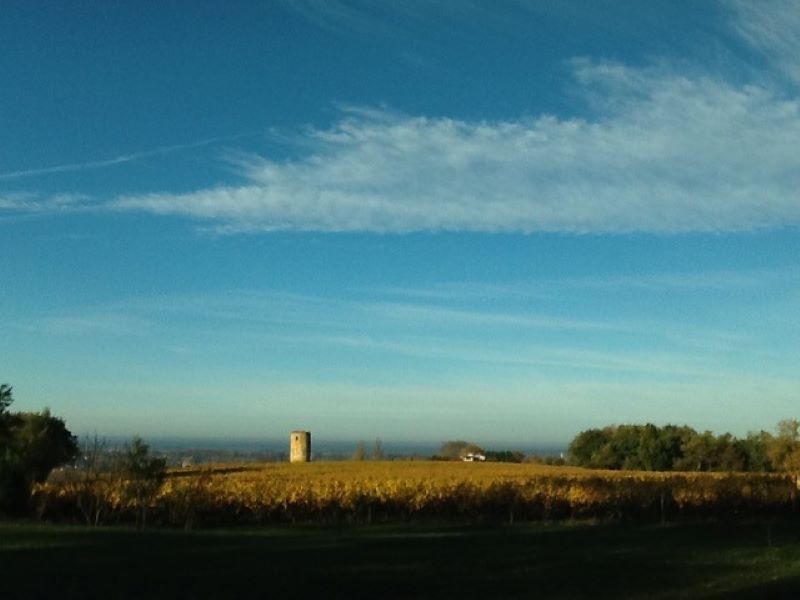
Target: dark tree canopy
<point>681,448</point>
<point>44,443</point>
<point>458,449</point>
<point>144,474</point>
<point>5,397</point>
<point>31,445</point>
<point>508,456</point>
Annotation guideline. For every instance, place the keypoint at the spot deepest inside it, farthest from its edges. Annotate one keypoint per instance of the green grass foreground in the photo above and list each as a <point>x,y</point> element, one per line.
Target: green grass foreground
<point>695,560</point>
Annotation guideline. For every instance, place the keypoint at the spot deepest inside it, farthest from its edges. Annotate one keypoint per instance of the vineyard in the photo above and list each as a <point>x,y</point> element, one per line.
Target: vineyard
<point>362,492</point>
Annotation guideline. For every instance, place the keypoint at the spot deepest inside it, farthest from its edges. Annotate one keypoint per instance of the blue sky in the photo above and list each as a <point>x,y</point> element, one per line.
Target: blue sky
<point>499,221</point>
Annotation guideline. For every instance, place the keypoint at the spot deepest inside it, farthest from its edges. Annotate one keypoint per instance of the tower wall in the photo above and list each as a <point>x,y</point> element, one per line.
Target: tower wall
<point>300,446</point>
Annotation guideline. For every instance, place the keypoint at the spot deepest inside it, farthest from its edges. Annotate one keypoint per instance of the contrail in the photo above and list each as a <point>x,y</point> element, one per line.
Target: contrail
<point>117,160</point>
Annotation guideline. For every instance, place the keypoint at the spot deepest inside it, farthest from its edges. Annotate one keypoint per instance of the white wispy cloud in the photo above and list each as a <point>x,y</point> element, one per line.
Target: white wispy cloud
<point>27,202</point>
<point>437,331</point>
<point>439,314</point>
<point>772,26</point>
<point>667,153</point>
<point>89,324</point>
<point>527,357</point>
<point>115,160</point>
<point>667,149</point>
<point>708,280</point>
<point>340,17</point>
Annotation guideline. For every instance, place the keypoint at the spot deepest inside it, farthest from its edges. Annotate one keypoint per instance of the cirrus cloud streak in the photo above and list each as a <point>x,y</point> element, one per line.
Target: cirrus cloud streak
<point>666,153</point>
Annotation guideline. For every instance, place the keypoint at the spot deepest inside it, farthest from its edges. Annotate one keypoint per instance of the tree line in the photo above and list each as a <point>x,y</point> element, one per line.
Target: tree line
<point>681,448</point>
<point>458,449</point>
<point>32,444</point>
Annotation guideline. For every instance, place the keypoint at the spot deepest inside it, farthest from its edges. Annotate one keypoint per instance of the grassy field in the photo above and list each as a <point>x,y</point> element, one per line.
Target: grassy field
<point>359,492</point>
<point>692,560</point>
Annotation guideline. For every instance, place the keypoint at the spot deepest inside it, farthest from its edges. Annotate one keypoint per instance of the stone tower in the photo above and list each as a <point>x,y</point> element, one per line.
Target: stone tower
<point>300,446</point>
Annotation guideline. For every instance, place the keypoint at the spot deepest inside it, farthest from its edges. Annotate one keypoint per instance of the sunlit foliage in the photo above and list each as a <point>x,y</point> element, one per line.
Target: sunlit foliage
<point>368,491</point>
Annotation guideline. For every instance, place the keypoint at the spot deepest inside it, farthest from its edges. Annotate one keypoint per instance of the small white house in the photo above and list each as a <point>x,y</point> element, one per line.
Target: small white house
<point>474,457</point>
